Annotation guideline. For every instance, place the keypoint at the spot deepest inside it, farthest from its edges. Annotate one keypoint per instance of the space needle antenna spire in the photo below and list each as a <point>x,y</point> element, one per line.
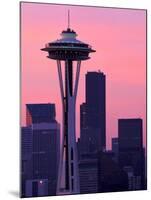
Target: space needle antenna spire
<point>68,18</point>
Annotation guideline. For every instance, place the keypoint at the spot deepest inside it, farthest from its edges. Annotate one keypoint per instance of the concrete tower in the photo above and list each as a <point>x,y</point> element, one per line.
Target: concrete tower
<point>68,50</point>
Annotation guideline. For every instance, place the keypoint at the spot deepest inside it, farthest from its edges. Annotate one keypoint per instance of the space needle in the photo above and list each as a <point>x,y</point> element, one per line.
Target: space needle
<point>68,51</point>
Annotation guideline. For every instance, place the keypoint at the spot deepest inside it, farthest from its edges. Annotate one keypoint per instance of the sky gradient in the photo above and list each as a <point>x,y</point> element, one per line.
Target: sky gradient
<point>119,38</point>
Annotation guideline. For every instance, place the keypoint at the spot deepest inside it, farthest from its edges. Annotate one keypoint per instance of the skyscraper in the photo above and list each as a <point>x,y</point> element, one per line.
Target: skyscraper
<point>45,136</point>
<point>131,152</point>
<point>93,113</point>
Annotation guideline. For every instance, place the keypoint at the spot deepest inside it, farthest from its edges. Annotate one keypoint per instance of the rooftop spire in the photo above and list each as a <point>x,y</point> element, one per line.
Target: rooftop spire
<point>69,19</point>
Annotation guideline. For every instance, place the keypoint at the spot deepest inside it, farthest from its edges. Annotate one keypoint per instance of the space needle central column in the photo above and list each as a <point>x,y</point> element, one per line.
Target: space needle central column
<point>68,50</point>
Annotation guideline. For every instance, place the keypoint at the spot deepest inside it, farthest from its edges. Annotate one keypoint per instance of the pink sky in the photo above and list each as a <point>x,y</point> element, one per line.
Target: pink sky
<point>119,38</point>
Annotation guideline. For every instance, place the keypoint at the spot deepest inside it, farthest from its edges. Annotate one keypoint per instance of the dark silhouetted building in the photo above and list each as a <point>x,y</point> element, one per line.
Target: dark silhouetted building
<point>92,131</point>
<point>96,103</point>
<point>100,173</point>
<point>37,188</point>
<point>111,178</point>
<point>26,156</point>
<point>37,113</point>
<point>93,114</point>
<point>132,180</point>
<point>45,136</point>
<point>115,148</point>
<point>88,173</point>
<point>131,152</point>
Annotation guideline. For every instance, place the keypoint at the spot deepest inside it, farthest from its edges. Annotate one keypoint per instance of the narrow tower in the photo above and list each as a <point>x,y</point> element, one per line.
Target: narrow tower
<point>68,50</point>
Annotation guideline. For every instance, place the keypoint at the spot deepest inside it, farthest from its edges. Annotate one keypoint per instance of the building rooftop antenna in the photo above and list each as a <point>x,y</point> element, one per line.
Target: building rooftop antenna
<point>68,19</point>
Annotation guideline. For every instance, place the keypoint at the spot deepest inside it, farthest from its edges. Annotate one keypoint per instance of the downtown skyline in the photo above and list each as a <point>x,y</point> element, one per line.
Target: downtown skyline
<point>119,38</point>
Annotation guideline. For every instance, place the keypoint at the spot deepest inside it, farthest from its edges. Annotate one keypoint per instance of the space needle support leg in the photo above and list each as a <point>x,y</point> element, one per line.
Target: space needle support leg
<point>60,79</point>
<point>74,96</point>
<point>62,145</point>
<point>77,78</point>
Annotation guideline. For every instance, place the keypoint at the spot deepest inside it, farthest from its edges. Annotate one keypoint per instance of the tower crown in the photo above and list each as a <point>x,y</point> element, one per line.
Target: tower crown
<point>68,33</point>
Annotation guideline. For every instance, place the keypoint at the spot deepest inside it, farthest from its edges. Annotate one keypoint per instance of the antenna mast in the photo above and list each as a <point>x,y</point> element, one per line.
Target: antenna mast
<point>68,18</point>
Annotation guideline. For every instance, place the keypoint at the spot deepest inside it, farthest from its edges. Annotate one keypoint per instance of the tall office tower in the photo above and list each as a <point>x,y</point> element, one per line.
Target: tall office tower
<point>68,51</point>
<point>96,103</point>
<point>93,114</point>
<point>45,149</point>
<point>131,152</point>
<point>115,148</point>
<point>89,136</point>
